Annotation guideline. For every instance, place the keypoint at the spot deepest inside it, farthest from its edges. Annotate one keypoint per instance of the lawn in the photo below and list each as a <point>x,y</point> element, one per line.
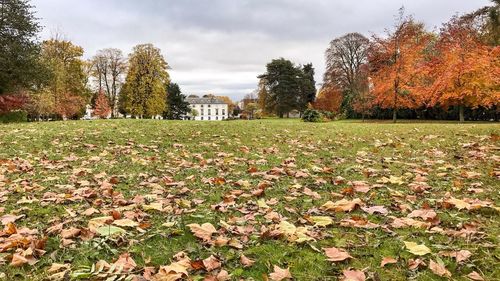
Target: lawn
<point>165,200</point>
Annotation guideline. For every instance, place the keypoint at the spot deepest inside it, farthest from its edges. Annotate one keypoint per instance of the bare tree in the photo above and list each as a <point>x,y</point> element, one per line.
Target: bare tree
<point>345,58</point>
<point>109,69</point>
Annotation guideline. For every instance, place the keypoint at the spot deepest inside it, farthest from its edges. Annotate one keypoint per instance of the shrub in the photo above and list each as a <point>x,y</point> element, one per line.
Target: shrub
<point>311,115</point>
<point>14,116</point>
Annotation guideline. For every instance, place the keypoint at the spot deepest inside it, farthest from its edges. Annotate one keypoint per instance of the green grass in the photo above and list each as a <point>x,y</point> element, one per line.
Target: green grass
<point>34,160</point>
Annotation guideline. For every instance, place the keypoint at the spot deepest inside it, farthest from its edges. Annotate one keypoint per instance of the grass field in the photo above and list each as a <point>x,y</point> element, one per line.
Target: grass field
<point>263,185</point>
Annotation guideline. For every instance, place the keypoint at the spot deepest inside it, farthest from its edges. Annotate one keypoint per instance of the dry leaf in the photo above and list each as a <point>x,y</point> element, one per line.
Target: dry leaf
<point>419,250</point>
<point>439,269</point>
<point>353,275</point>
<point>280,274</point>
<point>203,231</point>
<point>388,260</point>
<point>336,254</point>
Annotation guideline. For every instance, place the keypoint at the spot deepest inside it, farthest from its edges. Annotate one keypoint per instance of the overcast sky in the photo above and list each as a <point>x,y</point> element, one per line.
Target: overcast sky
<point>220,46</point>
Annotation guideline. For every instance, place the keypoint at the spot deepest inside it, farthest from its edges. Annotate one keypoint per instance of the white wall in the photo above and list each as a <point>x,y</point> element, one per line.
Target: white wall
<point>212,112</point>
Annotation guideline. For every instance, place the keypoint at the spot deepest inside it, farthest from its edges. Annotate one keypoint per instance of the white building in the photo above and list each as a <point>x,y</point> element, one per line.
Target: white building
<point>207,108</point>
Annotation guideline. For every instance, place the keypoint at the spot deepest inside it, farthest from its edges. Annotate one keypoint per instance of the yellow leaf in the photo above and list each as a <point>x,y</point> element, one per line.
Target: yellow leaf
<point>321,220</point>
<point>419,250</point>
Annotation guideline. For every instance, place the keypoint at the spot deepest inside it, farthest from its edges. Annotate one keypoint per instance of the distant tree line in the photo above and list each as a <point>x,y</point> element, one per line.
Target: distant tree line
<point>51,80</point>
<point>414,73</point>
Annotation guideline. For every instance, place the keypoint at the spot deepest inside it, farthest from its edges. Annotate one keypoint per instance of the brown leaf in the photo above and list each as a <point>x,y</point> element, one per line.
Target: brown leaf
<point>439,269</point>
<point>342,205</point>
<point>18,260</point>
<point>211,263</point>
<point>246,262</point>
<point>353,275</point>
<point>280,274</point>
<point>125,262</point>
<point>388,260</point>
<point>203,231</point>
<point>70,233</point>
<point>336,254</point>
<point>475,276</point>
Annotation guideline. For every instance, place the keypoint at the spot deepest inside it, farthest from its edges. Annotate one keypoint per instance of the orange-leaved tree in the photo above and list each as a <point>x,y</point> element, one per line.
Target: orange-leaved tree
<point>329,99</point>
<point>394,63</point>
<point>464,72</point>
<point>102,108</point>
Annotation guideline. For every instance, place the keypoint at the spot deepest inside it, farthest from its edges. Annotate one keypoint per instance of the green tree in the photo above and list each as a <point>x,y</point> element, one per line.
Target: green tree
<point>19,48</point>
<point>177,106</point>
<point>143,93</point>
<point>283,86</point>
<point>65,90</point>
<point>307,87</point>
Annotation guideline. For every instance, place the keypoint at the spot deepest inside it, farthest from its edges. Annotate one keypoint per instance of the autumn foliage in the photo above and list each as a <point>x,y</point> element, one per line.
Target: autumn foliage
<point>329,99</point>
<point>395,61</point>
<point>464,71</point>
<point>102,108</point>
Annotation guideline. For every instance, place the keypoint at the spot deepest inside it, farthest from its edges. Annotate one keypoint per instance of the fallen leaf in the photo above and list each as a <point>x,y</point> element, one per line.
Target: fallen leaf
<point>419,250</point>
<point>211,263</point>
<point>203,231</point>
<point>342,205</point>
<point>321,220</point>
<point>388,260</point>
<point>439,269</point>
<point>126,223</point>
<point>475,276</point>
<point>353,275</point>
<point>336,254</point>
<point>280,274</point>
<point>246,262</point>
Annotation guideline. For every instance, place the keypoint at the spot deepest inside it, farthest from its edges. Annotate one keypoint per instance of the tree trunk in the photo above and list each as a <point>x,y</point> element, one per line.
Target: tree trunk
<point>394,115</point>
<point>461,113</point>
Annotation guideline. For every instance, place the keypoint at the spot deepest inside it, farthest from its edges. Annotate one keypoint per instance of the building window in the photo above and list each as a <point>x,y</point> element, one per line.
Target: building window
<point>208,117</point>
<point>201,105</point>
<point>202,111</point>
<point>216,111</point>
<point>209,112</point>
<point>216,117</point>
<point>208,105</point>
<point>223,112</point>
<point>201,118</point>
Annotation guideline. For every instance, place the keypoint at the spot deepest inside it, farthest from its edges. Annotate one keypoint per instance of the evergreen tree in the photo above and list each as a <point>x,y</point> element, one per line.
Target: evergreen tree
<point>143,93</point>
<point>177,106</point>
<point>307,87</point>
<point>283,83</point>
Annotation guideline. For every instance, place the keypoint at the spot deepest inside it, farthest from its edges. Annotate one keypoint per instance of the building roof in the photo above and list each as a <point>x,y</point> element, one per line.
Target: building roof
<point>210,100</point>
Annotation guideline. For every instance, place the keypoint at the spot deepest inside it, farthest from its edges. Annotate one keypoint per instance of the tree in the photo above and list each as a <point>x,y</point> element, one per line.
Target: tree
<point>283,83</point>
<point>102,108</point>
<point>108,69</point>
<point>194,113</point>
<point>177,106</point>
<point>394,62</point>
<point>329,99</point>
<point>19,48</point>
<point>307,87</point>
<point>65,89</point>
<point>250,109</point>
<point>487,19</point>
<point>464,72</point>
<point>143,93</point>
<point>346,60</point>
<point>230,104</point>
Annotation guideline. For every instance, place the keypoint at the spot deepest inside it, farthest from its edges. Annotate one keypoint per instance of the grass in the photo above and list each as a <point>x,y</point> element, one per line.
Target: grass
<point>37,158</point>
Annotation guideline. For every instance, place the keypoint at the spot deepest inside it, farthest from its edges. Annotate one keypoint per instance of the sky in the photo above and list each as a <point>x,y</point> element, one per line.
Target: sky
<point>220,46</point>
